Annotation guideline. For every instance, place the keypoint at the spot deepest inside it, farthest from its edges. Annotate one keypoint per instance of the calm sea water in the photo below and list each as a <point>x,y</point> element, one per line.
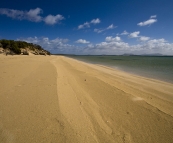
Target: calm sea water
<point>149,66</point>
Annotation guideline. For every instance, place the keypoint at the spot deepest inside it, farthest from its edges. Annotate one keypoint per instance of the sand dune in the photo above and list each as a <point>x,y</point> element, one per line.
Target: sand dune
<point>61,100</point>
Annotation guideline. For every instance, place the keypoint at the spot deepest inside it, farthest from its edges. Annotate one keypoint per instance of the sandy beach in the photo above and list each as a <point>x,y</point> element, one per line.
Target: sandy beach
<point>55,99</point>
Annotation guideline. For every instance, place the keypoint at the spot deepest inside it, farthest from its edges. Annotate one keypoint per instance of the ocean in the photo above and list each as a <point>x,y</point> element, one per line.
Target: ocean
<point>156,67</point>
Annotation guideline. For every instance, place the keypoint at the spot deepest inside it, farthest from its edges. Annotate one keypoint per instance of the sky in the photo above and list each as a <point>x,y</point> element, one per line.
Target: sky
<point>91,27</point>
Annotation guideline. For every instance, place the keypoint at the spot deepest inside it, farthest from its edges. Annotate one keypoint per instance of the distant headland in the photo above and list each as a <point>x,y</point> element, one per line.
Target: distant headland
<point>11,47</point>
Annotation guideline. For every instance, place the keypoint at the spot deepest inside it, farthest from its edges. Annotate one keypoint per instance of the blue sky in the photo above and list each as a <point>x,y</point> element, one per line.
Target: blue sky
<point>91,26</point>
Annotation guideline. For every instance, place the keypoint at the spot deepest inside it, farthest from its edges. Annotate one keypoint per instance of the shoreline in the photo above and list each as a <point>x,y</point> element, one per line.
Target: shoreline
<point>135,71</point>
<point>61,99</point>
<point>113,71</point>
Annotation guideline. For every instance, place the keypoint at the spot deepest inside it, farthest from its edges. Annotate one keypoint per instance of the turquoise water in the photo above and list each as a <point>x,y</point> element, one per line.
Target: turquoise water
<point>157,67</point>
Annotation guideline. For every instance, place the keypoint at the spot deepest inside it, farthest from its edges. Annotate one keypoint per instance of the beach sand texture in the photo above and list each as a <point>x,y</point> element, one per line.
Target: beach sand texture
<point>55,99</point>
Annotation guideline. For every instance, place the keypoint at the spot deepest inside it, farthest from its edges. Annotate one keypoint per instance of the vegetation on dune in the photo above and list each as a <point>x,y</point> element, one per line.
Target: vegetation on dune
<point>17,47</point>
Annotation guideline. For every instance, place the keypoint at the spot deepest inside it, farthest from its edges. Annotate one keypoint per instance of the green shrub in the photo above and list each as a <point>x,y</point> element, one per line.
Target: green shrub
<point>15,46</point>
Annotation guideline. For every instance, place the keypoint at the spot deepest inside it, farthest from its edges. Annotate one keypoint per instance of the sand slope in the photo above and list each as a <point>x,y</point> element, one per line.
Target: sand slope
<point>58,99</point>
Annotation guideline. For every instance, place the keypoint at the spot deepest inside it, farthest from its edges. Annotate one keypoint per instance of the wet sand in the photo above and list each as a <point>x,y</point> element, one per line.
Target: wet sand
<point>55,99</point>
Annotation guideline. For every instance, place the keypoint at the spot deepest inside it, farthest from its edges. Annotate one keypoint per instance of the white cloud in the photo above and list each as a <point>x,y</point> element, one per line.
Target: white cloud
<point>148,22</point>
<point>157,41</point>
<point>111,27</point>
<point>134,34</point>
<point>12,13</point>
<point>144,38</point>
<point>95,21</point>
<point>153,16</point>
<point>124,33</point>
<point>110,38</point>
<point>82,41</point>
<point>59,40</point>
<point>102,30</point>
<point>98,30</point>
<point>31,15</point>
<point>87,24</point>
<point>34,15</point>
<point>90,46</point>
<point>51,19</point>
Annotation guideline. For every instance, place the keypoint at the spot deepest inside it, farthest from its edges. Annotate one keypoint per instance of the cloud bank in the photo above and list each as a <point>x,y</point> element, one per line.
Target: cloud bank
<point>144,38</point>
<point>111,46</point>
<point>31,15</point>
